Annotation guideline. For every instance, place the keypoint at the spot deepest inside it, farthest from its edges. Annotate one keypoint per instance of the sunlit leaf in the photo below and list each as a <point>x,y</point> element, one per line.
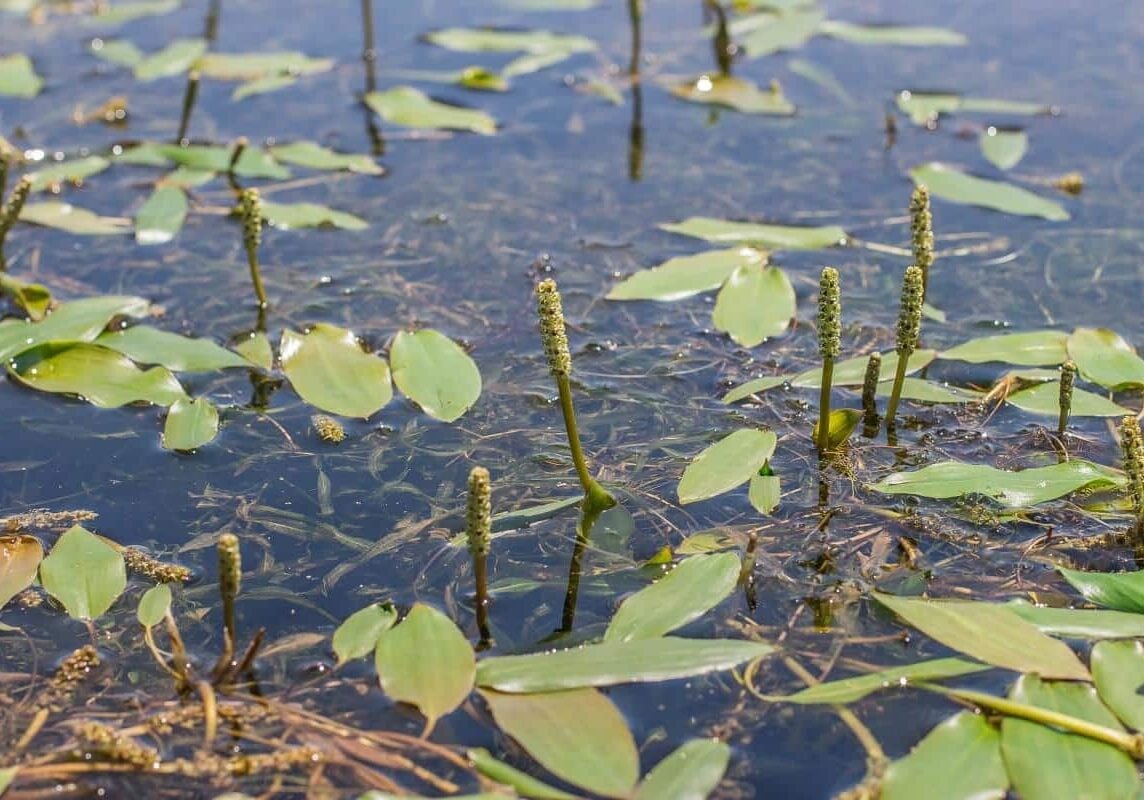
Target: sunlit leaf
<point>154,605</point>
<point>309,215</point>
<point>691,772</point>
<point>578,735</point>
<point>313,156</point>
<point>988,632</point>
<point>1046,764</point>
<point>84,573</point>
<point>18,77</point>
<point>1045,398</point>
<point>689,591</point>
<point>820,76</point>
<point>1004,148</point>
<point>191,423</point>
<point>726,464</point>
<point>184,177</point>
<point>69,218</point>
<point>329,370</point>
<point>1081,623</point>
<point>955,186</point>
<point>611,663</point>
<point>252,66</point>
<point>1104,357</point>
<point>849,690</point>
<point>148,345</point>
<point>256,349</point>
<point>905,35</point>
<point>121,11</point>
<point>1031,349</point>
<point>34,298</point>
<point>427,662</point>
<point>1120,591</point>
<point>359,634</point>
<point>72,171</point>
<point>161,217</point>
<point>435,372</point>
<point>765,490</point>
<point>850,372</point>
<point>534,62</point>
<point>686,276</point>
<point>1118,671</point>
<point>481,79</point>
<point>925,391</point>
<point>253,163</point>
<point>174,59</point>
<point>121,52</point>
<point>1013,489</point>
<point>755,304</point>
<point>766,33</point>
<point>20,557</point>
<point>96,374</point>
<point>777,237</point>
<point>493,40</point>
<point>411,108</point>
<point>959,759</point>
<point>923,108</point>
<point>75,320</point>
<point>739,94</point>
<point>265,85</point>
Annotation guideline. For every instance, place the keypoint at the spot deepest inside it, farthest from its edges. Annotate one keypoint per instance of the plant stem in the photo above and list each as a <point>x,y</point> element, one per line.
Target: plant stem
<point>595,495</point>
<point>896,394</point>
<point>824,404</point>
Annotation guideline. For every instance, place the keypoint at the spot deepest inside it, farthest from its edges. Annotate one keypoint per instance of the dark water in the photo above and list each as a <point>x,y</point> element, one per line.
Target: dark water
<point>460,229</point>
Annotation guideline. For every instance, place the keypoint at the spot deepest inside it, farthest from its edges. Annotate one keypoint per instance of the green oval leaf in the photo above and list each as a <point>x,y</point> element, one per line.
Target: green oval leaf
<point>901,35</point>
<point>427,662</point>
<point>686,276</point>
<point>578,735</point>
<point>252,66</point>
<point>1080,623</point>
<point>310,215</point>
<point>765,490</point>
<point>359,634</point>
<point>852,371</point>
<point>690,773</point>
<point>76,320</point>
<point>174,59</point>
<point>313,156</point>
<point>1029,349</point>
<point>848,690</point>
<point>839,426</point>
<point>1045,398</point>
<point>756,303</point>
<point>1120,591</point>
<point>1103,357</point>
<point>18,77</point>
<point>958,187</point>
<point>737,94</point>
<point>154,605</point>
<point>766,33</point>
<point>1002,148</point>
<point>148,345</point>
<point>191,423</point>
<point>329,370</point>
<point>34,298</point>
<point>1118,670</point>
<point>775,237</point>
<point>435,372</point>
<point>493,40</point>
<point>96,374</point>
<point>689,591</point>
<point>412,108</point>
<point>960,758</point>
<point>925,391</point>
<point>20,557</point>
<point>84,573</point>
<point>726,464</point>
<point>69,218</point>
<point>256,349</point>
<point>161,216</point>
<point>72,171</point>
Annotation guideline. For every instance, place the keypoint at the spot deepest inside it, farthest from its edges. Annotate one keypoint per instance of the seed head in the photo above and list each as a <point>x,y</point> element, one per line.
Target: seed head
<point>250,205</point>
<point>552,328</point>
<point>870,384</point>
<point>229,567</point>
<point>1068,378</point>
<point>921,230</point>
<point>329,429</point>
<point>479,517</point>
<point>829,314</point>
<point>15,204</point>
<point>910,313</point>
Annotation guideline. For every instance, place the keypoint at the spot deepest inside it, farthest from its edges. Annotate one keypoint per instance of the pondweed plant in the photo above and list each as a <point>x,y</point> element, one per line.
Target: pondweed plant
<point>479,532</point>
<point>555,338</point>
<point>870,391</point>
<point>1132,443</point>
<point>829,346</point>
<point>10,212</point>
<point>909,327</point>
<point>250,206</point>
<point>921,233</point>
<point>1065,395</point>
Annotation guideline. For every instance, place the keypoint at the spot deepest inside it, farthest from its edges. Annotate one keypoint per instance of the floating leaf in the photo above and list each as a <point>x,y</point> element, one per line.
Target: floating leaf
<point>524,784</point>
<point>777,237</point>
<point>1045,763</point>
<point>611,663</point>
<point>184,177</point>
<point>1045,398</point>
<point>763,34</point>
<point>756,303</point>
<point>726,464</point>
<point>839,426</point>
<point>252,66</point>
<point>411,108</point>
<point>84,573</point>
<point>329,370</point>
<point>253,163</point>
<point>1118,671</point>
<point>67,172</point>
<point>76,320</point>
<point>191,423</point>
<point>148,345</point>
<point>493,40</point>
<point>435,372</point>
<point>923,108</point>
<point>34,298</point>
<point>66,217</point>
<point>1012,489</point>
<point>849,690</point>
<point>18,77</point>
<point>1081,623</point>
<point>958,187</point>
<point>686,276</point>
<point>154,605</point>
<point>735,93</point>
<point>96,374</point>
<point>1003,148</point>
<point>1121,591</point>
<point>161,217</point>
<point>764,491</point>
<point>20,557</point>
<point>904,35</point>
<point>1103,357</point>
<point>690,773</point>
<point>256,349</point>
<point>271,83</point>
<point>122,52</point>
<point>990,633</point>
<point>309,215</point>
<point>481,79</point>
<point>689,591</point>
<point>578,735</point>
<point>1031,349</point>
<point>960,758</point>
<point>313,156</point>
<point>174,59</point>
<point>120,12</point>
<point>426,661</point>
<point>930,391</point>
<point>359,634</point>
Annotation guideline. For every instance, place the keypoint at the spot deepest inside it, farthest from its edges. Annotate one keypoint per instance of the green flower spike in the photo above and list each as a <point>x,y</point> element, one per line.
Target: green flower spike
<point>479,529</point>
<point>829,345</point>
<point>11,210</point>
<point>229,583</point>
<point>921,232</point>
<point>870,387</point>
<point>1133,445</point>
<point>250,206</point>
<point>909,328</point>
<point>1068,378</point>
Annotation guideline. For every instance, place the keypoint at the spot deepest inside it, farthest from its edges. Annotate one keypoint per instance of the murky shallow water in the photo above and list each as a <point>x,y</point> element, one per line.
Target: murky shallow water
<point>458,227</point>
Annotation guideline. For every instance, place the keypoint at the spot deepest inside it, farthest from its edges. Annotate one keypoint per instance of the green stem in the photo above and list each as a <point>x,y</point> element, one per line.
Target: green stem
<point>256,277</point>
<point>595,495</point>
<point>824,404</point>
<point>480,578</point>
<point>896,394</point>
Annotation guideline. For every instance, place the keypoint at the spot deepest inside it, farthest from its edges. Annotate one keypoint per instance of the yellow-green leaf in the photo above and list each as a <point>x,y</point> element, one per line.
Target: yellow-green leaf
<point>726,464</point>
<point>191,423</point>
<point>84,573</point>
<point>329,370</point>
<point>435,372</point>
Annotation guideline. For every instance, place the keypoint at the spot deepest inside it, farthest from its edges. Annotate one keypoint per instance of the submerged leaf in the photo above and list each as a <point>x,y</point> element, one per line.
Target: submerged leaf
<point>359,634</point>
<point>850,372</point>
<point>191,423</point>
<point>309,215</point>
<point>958,187</point>
<point>18,77</point>
<point>66,217</point>
<point>435,372</point>
<point>154,605</point>
<point>411,108</point>
<point>686,276</point>
<point>84,573</point>
<point>96,374</point>
<point>329,370</point>
<point>122,52</point>
<point>148,345</point>
<point>1104,357</point>
<point>161,217</point>
<point>313,156</point>
<point>20,557</point>
<point>1031,349</point>
<point>1003,148</point>
<point>735,93</point>
<point>776,237</point>
<point>690,773</point>
<point>906,35</point>
<point>726,464</point>
<point>960,758</point>
<point>755,304</point>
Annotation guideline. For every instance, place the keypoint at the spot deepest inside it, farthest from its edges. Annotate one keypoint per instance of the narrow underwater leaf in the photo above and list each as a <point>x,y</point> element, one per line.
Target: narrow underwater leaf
<point>148,345</point>
<point>686,276</point>
<point>1118,671</point>
<point>123,11</point>
<point>154,605</point>
<point>74,171</point>
<point>1081,623</point>
<point>435,372</point>
<point>96,374</point>
<point>777,237</point>
<point>821,77</point>
<point>1104,357</point>
<point>1019,489</point>
<point>359,634</point>
<point>849,690</point>
<point>252,66</point>
<point>18,77</point>
<point>329,370</point>
<point>72,219</point>
<point>524,784</point>
<point>691,772</point>
<point>611,663</point>
<point>1029,349</point>
<point>694,587</point>
<point>959,187</point>
<point>412,108</point>
<point>75,320</point>
<point>20,557</point>
<point>765,490</point>
<point>902,35</point>
<point>191,423</point>
<point>84,573</point>
<point>766,33</point>
<point>924,391</point>
<point>726,464</point>
<point>852,371</point>
<point>174,59</point>
<point>34,298</point>
<point>839,426</point>
<point>122,52</point>
<point>738,94</point>
<point>309,215</point>
<point>988,632</point>
<point>959,759</point>
<point>493,40</point>
<point>313,156</point>
<point>578,735</point>
<point>161,216</point>
<point>1045,398</point>
<point>1045,764</point>
<point>427,662</point>
<point>755,304</point>
<point>264,85</point>
<point>1120,591</point>
<point>1003,148</point>
<point>255,348</point>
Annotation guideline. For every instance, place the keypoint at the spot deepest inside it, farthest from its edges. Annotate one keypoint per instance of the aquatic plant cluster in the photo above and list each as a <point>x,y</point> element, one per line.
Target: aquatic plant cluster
<point>211,709</point>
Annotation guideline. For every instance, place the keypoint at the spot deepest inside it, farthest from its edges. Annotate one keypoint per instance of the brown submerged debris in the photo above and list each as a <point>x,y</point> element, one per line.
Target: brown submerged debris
<point>150,567</point>
<point>1070,183</point>
<point>42,518</point>
<point>113,745</point>
<point>329,429</point>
